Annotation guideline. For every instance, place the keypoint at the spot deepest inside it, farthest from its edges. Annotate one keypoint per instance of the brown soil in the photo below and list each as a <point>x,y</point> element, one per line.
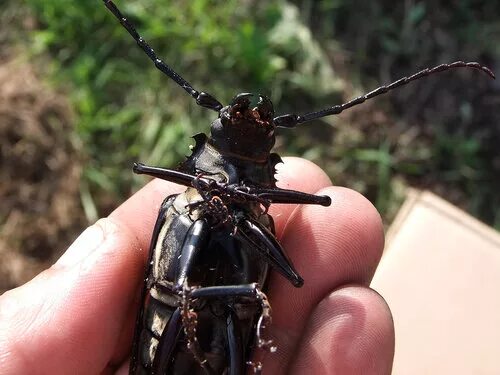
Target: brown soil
<point>40,173</point>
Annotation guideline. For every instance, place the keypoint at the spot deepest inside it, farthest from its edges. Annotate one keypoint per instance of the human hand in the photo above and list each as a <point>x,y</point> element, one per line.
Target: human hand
<point>78,316</point>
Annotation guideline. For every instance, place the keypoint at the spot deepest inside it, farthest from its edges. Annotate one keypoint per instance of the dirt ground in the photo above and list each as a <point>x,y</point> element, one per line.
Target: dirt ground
<point>40,170</point>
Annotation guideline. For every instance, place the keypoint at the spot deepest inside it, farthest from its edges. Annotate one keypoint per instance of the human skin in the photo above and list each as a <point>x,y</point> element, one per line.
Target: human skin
<point>78,316</point>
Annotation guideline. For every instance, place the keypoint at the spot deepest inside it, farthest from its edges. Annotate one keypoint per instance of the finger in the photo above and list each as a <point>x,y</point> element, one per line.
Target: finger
<point>55,323</point>
<point>330,247</point>
<point>140,211</point>
<point>350,332</point>
<point>70,318</point>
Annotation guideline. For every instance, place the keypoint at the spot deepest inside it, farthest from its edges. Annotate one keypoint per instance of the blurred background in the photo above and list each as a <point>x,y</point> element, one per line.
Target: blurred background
<point>79,102</point>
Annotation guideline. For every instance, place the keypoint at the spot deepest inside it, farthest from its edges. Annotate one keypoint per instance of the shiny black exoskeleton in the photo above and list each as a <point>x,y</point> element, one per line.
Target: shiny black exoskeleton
<point>204,307</point>
<point>211,250</point>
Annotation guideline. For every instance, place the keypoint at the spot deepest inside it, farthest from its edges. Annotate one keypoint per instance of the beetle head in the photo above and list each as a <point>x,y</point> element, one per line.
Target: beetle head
<point>245,127</point>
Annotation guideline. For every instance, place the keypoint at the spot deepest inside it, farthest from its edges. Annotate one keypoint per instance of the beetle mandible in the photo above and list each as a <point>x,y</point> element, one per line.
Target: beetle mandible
<point>203,300</point>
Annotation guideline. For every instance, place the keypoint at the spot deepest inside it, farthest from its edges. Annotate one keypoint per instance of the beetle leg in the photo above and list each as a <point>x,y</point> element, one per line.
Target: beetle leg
<point>277,195</point>
<point>221,291</point>
<point>236,350</point>
<point>264,241</point>
<point>195,240</point>
<point>264,320</point>
<point>172,175</point>
<point>190,322</point>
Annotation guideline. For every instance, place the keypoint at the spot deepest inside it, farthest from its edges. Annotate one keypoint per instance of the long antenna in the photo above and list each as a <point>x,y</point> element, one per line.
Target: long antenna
<point>292,120</point>
<point>202,98</point>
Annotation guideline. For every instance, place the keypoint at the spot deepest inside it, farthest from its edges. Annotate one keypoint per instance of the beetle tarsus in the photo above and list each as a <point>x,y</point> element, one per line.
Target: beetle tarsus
<point>263,322</point>
<point>189,323</point>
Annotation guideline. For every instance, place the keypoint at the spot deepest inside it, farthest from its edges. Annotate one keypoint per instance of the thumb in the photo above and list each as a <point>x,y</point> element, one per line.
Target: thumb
<point>69,319</point>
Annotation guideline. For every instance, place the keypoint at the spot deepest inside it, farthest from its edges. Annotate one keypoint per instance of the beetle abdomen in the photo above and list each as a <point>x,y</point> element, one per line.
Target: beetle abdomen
<point>221,260</point>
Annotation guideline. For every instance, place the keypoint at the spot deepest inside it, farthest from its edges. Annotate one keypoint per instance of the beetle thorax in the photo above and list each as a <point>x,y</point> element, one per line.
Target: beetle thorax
<point>245,128</point>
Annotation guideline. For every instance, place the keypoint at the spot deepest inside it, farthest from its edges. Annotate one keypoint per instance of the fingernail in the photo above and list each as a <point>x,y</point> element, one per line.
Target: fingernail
<point>83,246</point>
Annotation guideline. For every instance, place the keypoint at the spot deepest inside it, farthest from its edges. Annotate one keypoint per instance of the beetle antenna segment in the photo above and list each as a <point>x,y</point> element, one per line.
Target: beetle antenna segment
<point>292,120</point>
<point>203,99</point>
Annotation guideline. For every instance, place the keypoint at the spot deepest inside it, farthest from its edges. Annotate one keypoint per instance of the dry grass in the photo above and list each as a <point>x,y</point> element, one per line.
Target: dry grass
<point>40,171</point>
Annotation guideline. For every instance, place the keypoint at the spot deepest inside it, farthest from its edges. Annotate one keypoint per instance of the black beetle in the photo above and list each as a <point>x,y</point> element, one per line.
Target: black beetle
<point>203,302</point>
